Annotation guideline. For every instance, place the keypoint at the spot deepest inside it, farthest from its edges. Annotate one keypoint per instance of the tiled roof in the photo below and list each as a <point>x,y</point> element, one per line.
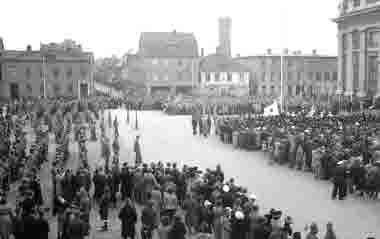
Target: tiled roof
<point>168,44</point>
<point>221,63</point>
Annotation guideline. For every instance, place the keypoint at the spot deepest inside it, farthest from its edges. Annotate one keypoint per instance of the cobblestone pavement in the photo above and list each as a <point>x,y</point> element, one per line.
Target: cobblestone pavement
<point>169,138</point>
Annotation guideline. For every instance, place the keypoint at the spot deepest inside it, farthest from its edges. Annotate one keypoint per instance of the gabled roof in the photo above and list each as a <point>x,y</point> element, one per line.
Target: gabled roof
<point>221,63</point>
<point>168,44</point>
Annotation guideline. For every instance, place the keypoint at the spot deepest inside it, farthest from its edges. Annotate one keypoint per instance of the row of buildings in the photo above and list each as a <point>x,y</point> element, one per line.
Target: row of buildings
<point>170,62</point>
<point>55,70</point>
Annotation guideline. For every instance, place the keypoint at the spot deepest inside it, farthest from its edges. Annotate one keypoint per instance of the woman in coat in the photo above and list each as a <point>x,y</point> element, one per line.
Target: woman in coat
<point>128,217</point>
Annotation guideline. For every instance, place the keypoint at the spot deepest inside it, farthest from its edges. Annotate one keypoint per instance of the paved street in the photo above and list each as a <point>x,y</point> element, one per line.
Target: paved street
<point>169,138</point>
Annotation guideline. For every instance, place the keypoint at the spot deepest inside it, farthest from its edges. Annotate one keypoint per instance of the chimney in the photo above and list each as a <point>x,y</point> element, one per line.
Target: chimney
<point>28,48</point>
<point>202,52</point>
<point>314,52</point>
<point>269,51</point>
<point>286,51</point>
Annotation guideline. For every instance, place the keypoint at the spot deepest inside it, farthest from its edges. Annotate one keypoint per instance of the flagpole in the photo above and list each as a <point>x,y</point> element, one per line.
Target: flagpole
<point>282,82</point>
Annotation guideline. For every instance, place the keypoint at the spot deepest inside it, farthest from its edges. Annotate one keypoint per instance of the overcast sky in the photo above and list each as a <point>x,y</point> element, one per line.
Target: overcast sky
<point>113,26</point>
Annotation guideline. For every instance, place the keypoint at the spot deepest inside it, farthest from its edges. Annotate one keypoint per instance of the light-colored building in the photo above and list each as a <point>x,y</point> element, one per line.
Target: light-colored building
<point>166,62</point>
<point>305,76</point>
<point>54,70</point>
<point>107,89</point>
<point>359,48</point>
<point>222,76</point>
<point>225,26</point>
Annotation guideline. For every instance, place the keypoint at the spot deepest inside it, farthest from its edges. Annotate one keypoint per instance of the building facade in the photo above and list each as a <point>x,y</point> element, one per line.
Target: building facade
<point>166,61</point>
<point>305,77</point>
<point>222,76</point>
<point>359,48</point>
<point>55,70</point>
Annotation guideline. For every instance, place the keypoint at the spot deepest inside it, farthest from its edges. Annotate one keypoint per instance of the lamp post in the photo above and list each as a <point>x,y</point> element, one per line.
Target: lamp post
<point>137,122</point>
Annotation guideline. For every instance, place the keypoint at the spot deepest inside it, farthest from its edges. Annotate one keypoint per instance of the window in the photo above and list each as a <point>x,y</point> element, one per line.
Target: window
<point>372,1</point>
<point>217,74</point>
<point>373,39</point>
<point>318,76</point>
<point>299,76</point>
<point>327,76</point>
<point>28,73</point>
<point>310,76</point>
<point>69,73</point>
<point>372,73</point>
<point>290,76</point>
<point>272,76</point>
<point>29,88</point>
<point>355,68</point>
<point>355,40</point>
<point>229,76</point>
<point>344,42</point>
<point>264,89</point>
<point>335,76</point>
<point>70,88</point>
<point>241,74</point>
<point>155,61</point>
<point>166,77</point>
<point>263,76</point>
<point>298,90</point>
<point>42,88</point>
<point>57,89</point>
<point>208,76</point>
<point>290,89</point>
<point>180,63</point>
<point>12,69</point>
<point>155,77</point>
<point>56,73</point>
<point>83,72</point>
<point>311,92</point>
<point>272,92</point>
<point>356,3</point>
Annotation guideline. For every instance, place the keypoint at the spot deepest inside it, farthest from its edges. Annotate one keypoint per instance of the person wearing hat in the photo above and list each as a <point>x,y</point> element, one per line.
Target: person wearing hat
<point>313,231</point>
<point>178,230</point>
<point>148,220</point>
<point>238,225</point>
<point>128,218</point>
<point>137,151</point>
<point>339,181</point>
<point>104,207</point>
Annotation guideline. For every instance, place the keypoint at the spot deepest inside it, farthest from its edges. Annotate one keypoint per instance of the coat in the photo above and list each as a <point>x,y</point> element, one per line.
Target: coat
<point>76,229</point>
<point>128,217</point>
<point>5,222</point>
<point>178,231</point>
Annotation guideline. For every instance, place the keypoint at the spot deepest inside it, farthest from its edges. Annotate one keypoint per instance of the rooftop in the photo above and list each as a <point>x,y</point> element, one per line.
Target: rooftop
<point>168,44</point>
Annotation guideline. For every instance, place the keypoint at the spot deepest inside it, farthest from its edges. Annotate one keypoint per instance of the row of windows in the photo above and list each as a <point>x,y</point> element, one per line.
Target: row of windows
<point>56,88</point>
<point>299,90</point>
<point>372,39</point>
<point>298,75</point>
<point>55,71</point>
<point>165,62</point>
<point>217,76</point>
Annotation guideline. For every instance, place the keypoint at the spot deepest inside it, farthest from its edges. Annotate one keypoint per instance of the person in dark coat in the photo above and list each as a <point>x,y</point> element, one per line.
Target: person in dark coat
<point>178,230</point>
<point>76,228</point>
<point>43,226</point>
<point>137,150</point>
<point>339,181</point>
<point>126,180</point>
<point>104,207</point>
<point>128,217</point>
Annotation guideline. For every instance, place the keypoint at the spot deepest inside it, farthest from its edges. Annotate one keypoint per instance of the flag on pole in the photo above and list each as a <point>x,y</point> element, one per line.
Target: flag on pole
<point>311,112</point>
<point>272,110</point>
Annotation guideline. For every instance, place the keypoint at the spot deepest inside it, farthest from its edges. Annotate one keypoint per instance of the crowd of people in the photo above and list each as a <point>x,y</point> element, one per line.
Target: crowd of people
<point>171,202</point>
<point>343,149</point>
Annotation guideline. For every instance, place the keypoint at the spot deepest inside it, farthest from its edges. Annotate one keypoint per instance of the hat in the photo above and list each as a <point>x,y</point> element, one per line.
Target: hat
<point>226,188</point>
<point>239,215</point>
<point>252,196</point>
<point>276,215</point>
<point>207,203</point>
<point>340,162</point>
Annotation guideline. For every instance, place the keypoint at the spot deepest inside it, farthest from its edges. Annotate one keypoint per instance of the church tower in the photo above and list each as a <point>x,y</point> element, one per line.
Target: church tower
<point>224,47</point>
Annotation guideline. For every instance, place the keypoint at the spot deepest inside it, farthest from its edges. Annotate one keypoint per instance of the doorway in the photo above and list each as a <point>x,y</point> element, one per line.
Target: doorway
<point>14,91</point>
<point>84,90</point>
